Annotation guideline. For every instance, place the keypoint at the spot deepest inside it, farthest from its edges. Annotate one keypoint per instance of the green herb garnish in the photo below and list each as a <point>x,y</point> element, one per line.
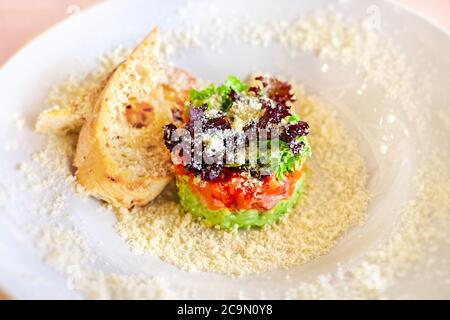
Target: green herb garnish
<point>287,162</point>
<point>211,93</point>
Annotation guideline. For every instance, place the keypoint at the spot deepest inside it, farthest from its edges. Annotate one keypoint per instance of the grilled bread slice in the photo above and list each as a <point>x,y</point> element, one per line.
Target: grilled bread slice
<point>71,110</point>
<point>77,104</point>
<point>120,156</point>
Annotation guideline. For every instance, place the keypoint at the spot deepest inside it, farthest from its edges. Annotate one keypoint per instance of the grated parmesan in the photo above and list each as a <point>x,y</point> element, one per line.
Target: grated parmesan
<point>328,207</point>
<point>335,200</point>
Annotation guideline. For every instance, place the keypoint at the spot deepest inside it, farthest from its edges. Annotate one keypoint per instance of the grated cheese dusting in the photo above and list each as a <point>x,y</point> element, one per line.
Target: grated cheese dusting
<point>335,200</point>
<point>424,220</point>
<point>56,251</point>
<point>244,111</point>
<point>214,143</point>
<point>322,216</point>
<point>106,286</point>
<point>63,247</point>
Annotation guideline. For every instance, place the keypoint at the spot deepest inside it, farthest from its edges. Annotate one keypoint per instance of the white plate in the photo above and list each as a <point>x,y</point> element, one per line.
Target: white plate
<point>72,48</point>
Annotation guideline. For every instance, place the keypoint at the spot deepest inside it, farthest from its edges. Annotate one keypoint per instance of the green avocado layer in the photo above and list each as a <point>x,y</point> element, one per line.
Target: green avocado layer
<point>228,220</point>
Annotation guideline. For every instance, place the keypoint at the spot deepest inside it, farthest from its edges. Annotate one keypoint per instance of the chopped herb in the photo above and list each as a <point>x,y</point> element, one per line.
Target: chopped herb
<point>199,98</point>
<point>293,119</point>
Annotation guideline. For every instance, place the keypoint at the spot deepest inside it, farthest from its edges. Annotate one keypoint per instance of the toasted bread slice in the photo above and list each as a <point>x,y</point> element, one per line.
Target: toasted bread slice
<point>72,109</point>
<point>78,103</point>
<point>120,156</point>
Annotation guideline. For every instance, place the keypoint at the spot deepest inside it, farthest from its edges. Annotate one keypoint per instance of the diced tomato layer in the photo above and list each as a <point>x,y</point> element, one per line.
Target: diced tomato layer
<point>232,192</point>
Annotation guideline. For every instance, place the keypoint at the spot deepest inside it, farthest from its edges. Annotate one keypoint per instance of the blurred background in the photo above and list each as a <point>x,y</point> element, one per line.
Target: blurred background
<point>21,20</point>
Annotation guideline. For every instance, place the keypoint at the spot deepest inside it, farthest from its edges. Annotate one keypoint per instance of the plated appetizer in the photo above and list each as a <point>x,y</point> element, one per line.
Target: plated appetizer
<point>237,150</point>
<point>239,157</point>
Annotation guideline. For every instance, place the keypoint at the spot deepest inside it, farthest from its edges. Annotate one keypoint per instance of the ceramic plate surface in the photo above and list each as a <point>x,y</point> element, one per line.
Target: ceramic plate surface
<point>73,46</point>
